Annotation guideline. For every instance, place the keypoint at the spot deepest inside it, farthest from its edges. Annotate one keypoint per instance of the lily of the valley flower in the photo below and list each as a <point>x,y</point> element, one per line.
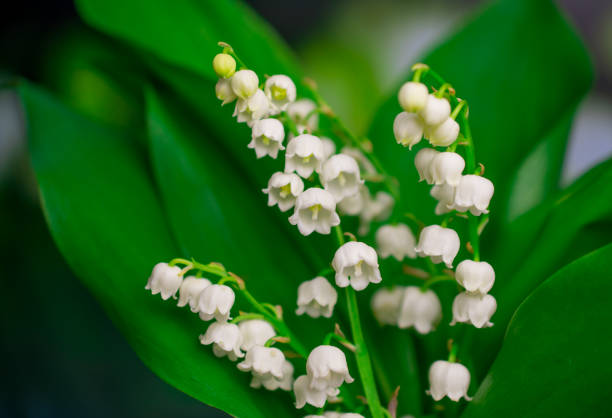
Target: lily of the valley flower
<point>190,291</point>
<point>304,155</point>
<point>255,332</point>
<point>438,243</point>
<point>316,298</point>
<point>226,340</point>
<point>327,368</point>
<point>283,189</point>
<point>395,240</point>
<point>446,167</point>
<point>413,96</point>
<point>386,304</point>
<point>474,309</point>
<point>475,276</point>
<point>216,301</point>
<point>356,264</point>
<point>422,162</point>
<point>445,195</point>
<point>448,379</point>
<point>436,110</point>
<point>408,129</point>
<point>354,204</point>
<point>315,210</point>
<point>365,165</point>
<point>244,83</point>
<point>329,147</point>
<point>303,114</point>
<point>224,92</point>
<point>474,194</point>
<point>272,383</point>
<point>267,137</point>
<point>224,65</point>
<point>378,208</point>
<point>252,108</point>
<point>421,310</point>
<point>165,280</point>
<point>305,394</point>
<point>280,90</point>
<point>340,176</point>
<point>443,134</point>
<point>264,362</point>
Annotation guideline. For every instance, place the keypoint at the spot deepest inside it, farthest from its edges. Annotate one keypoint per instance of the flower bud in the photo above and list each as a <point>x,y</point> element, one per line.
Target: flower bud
<point>408,129</point>
<point>421,310</point>
<point>245,83</point>
<point>302,113</point>
<point>190,291</point>
<point>304,154</point>
<point>395,240</point>
<point>252,109</point>
<point>215,302</point>
<point>412,96</point>
<point>436,110</point>
<point>474,309</point>
<point>224,92</point>
<point>327,368</point>
<point>316,298</point>
<point>255,332</point>
<point>446,167</point>
<point>356,264</point>
<point>448,379</point>
<point>443,134</point>
<point>267,137</point>
<point>422,162</point>
<point>440,244</point>
<point>475,276</point>
<point>165,280</point>
<point>473,193</point>
<point>264,362</point>
<point>280,90</point>
<point>315,210</point>
<point>305,394</point>
<point>224,65</point>
<point>386,304</point>
<point>226,340</point>
<point>340,176</point>
<point>283,189</point>
<point>272,383</point>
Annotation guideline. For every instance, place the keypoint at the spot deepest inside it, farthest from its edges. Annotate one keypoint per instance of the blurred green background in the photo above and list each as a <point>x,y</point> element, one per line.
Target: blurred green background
<point>61,356</point>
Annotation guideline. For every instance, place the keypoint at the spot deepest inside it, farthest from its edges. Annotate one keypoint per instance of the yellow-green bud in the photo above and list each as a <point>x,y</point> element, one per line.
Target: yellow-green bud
<point>224,65</point>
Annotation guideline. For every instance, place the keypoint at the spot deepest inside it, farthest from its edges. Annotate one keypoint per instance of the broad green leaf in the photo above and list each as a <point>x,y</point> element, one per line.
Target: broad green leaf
<point>555,360</point>
<point>106,219</point>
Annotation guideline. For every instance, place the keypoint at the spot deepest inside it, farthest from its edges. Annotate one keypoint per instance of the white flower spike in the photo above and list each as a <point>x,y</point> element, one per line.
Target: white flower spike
<point>244,83</point>
<point>224,65</point>
<point>252,109</point>
<point>304,155</point>
<point>340,176</point>
<point>280,90</point>
<point>436,110</point>
<point>305,394</point>
<point>395,240</point>
<point>413,96</point>
<point>327,368</point>
<point>272,383</point>
<point>446,167</point>
<point>267,137</point>
<point>226,340</point>
<point>356,264</point>
<point>165,280</point>
<point>474,309</point>
<point>422,162</point>
<point>408,129</point>
<point>255,332</point>
<point>421,310</point>
<point>190,291</point>
<point>444,134</point>
<point>302,113</point>
<point>216,301</point>
<point>224,92</point>
<point>283,189</point>
<point>386,304</point>
<point>473,193</point>
<point>316,298</point>
<point>264,362</point>
<point>438,243</point>
<point>448,379</point>
<point>315,210</point>
<point>475,276</point>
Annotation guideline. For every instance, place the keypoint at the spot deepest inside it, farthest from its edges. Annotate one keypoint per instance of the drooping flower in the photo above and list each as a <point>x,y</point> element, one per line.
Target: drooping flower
<point>305,394</point>
<point>445,195</point>
<point>413,96</point>
<point>327,368</point>
<point>443,134</point>
<point>386,304</point>
<point>354,204</point>
<point>422,162</point>
<point>446,167</point>
<point>474,194</point>
<point>224,65</point>
<point>216,301</point>
<point>224,92</point>
<point>190,291</point>
<point>408,129</point>
<point>356,264</point>
<point>280,90</point>
<point>438,243</point>
<point>316,298</point>
<point>264,362</point>
<point>165,280</point>
<point>436,110</point>
<point>340,176</point>
<point>244,83</point>
<point>448,379</point>
<point>315,210</point>
<point>226,340</point>
<point>421,310</point>
<point>283,189</point>
<point>272,383</point>
<point>474,309</point>
<point>253,108</point>
<point>329,147</point>
<point>267,137</point>
<point>365,165</point>
<point>303,114</point>
<point>255,332</point>
<point>395,240</point>
<point>304,154</point>
<point>475,276</point>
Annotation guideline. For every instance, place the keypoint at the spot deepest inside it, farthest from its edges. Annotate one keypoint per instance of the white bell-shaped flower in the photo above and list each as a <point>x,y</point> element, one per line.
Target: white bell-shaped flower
<point>386,304</point>
<point>474,309</point>
<point>443,134</point>
<point>264,362</point>
<point>305,394</point>
<point>365,165</point>
<point>408,129</point>
<point>473,193</point>
<point>327,368</point>
<point>315,210</point>
<point>421,310</point>
<point>244,83</point>
<point>255,332</point>
<point>216,301</point>
<point>283,189</point>
<point>446,167</point>
<point>356,264</point>
<point>316,298</point>
<point>165,280</point>
<point>448,379</point>
<point>395,240</point>
<point>272,383</point>
<point>354,204</point>
<point>267,137</point>
<point>303,114</point>
<point>224,92</point>
<point>445,195</point>
<point>252,109</point>
<point>340,176</point>
<point>475,276</point>
<point>422,162</point>
<point>329,147</point>
<point>190,290</point>
<point>438,243</point>
<point>436,110</point>
<point>226,340</point>
<point>280,90</point>
<point>413,96</point>
<point>304,154</point>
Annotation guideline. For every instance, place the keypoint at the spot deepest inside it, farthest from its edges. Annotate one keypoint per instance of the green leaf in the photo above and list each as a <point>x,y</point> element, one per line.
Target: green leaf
<point>555,360</point>
<point>106,219</point>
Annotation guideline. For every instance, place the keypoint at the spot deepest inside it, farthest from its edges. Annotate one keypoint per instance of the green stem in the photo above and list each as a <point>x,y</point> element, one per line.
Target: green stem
<point>246,317</point>
<point>436,279</point>
<point>452,356</point>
